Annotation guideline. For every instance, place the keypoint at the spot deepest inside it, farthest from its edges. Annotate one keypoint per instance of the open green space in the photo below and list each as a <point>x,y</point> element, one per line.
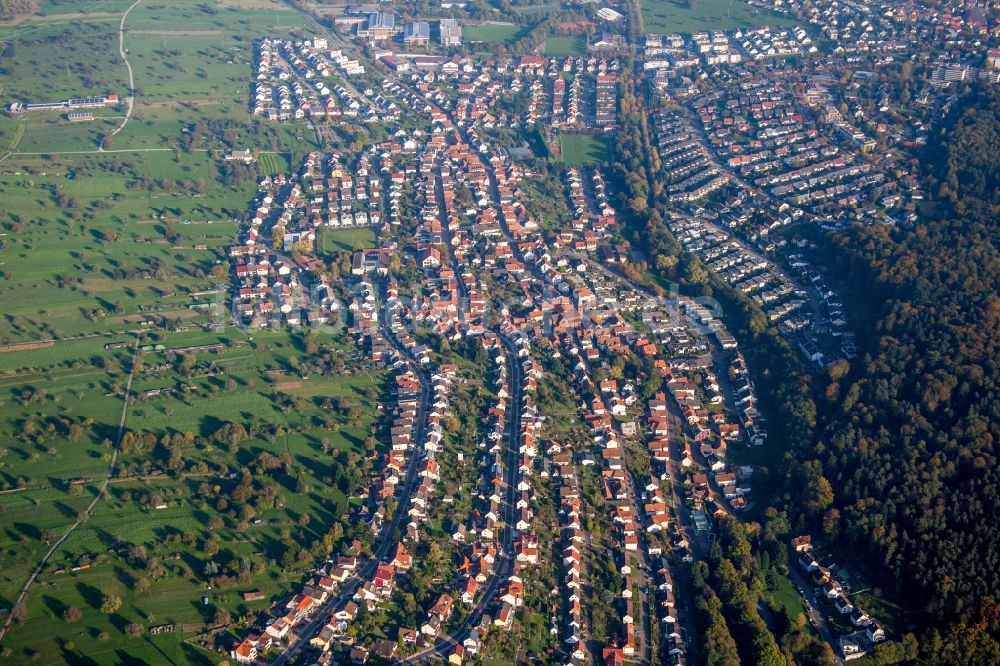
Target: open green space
<point>786,597</point>
<point>97,244</point>
<point>491,33</point>
<point>669,16</point>
<point>583,149</point>
<point>191,64</point>
<point>194,518</point>
<point>574,45</point>
<point>333,241</point>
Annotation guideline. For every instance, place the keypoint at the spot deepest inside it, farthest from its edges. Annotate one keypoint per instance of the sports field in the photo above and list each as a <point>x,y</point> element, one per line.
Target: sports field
<point>574,45</point>
<point>583,149</point>
<point>332,241</point>
<point>489,32</point>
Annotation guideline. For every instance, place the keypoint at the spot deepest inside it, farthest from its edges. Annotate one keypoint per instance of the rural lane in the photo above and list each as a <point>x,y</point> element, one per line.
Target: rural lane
<point>129,99</point>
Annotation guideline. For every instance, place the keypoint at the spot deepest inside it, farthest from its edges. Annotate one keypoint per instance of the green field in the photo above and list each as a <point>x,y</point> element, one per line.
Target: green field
<point>191,63</point>
<point>786,597</point>
<point>575,45</point>
<point>490,33</point>
<point>669,16</point>
<point>97,244</point>
<point>157,559</point>
<point>332,241</point>
<point>583,149</point>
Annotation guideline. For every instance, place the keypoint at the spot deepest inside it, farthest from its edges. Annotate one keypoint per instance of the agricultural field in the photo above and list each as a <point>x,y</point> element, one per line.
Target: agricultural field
<point>669,16</point>
<point>194,71</point>
<point>583,149</point>
<point>198,512</point>
<point>575,45</point>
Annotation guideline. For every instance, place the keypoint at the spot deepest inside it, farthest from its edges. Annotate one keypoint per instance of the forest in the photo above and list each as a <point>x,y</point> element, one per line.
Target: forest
<point>909,437</point>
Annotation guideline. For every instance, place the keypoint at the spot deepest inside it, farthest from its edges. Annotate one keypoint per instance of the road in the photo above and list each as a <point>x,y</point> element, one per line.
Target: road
<point>504,563</point>
<point>130,98</point>
<point>386,541</point>
<point>816,617</point>
<point>85,514</point>
<point>643,576</point>
<point>463,293</point>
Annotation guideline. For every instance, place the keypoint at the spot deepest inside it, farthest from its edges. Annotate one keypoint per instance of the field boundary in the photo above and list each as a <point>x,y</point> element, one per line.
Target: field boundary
<point>25,346</point>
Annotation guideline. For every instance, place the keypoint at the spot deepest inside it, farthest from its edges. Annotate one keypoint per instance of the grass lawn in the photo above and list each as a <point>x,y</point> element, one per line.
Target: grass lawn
<point>575,45</point>
<point>787,597</point>
<point>583,149</point>
<point>669,16</point>
<point>82,241</point>
<point>274,163</point>
<point>332,241</point>
<point>490,33</point>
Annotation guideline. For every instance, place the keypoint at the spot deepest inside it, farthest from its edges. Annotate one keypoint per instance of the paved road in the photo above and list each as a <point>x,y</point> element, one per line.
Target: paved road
<point>504,563</point>
<point>643,576</point>
<point>816,617</point>
<point>463,293</point>
<point>85,515</point>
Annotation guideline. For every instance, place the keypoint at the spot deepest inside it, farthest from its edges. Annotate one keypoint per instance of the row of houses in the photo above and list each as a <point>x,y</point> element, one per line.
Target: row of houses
<point>692,174</point>
<point>745,271</point>
<point>298,80</point>
<point>828,588</point>
<point>594,218</point>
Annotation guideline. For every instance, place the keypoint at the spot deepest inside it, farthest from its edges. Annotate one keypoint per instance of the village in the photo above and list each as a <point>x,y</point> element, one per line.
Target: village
<point>657,449</point>
<point>648,332</point>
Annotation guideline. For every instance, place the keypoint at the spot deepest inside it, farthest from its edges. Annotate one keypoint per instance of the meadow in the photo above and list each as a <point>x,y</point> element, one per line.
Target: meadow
<point>670,16</point>
<point>191,63</point>
<point>99,244</point>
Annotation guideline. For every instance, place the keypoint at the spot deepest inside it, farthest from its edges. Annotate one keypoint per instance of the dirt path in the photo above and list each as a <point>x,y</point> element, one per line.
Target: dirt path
<point>85,515</point>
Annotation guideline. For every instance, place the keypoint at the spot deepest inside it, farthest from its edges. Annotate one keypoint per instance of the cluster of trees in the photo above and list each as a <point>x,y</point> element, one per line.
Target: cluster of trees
<point>167,185</point>
<point>729,587</point>
<point>10,8</point>
<point>526,41</point>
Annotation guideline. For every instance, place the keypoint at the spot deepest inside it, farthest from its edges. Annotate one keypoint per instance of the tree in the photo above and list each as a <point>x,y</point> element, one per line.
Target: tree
<point>110,603</point>
<point>222,616</point>
<point>818,495</point>
<point>134,629</point>
<point>72,614</point>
